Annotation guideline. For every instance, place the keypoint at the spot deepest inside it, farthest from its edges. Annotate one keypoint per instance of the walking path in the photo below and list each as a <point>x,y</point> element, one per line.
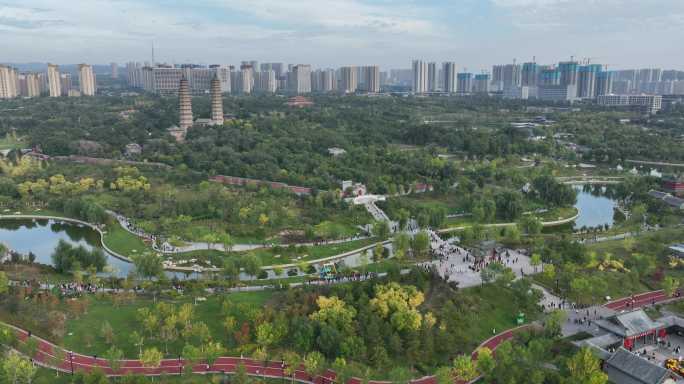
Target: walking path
<point>71,361</point>
<point>190,246</point>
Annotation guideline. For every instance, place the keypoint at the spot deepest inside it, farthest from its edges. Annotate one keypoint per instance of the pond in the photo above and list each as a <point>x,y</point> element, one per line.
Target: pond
<point>595,207</point>
<point>41,236</point>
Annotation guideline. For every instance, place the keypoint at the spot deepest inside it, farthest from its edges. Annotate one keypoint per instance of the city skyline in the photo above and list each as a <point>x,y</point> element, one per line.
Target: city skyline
<point>473,34</point>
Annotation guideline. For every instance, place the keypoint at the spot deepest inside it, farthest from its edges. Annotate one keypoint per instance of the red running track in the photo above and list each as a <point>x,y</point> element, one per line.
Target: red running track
<point>45,355</point>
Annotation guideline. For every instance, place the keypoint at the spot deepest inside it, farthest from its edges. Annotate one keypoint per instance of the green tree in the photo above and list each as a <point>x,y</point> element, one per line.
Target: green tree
<point>535,261</point>
<point>313,363</point>
<point>151,358</point>
<point>464,368</point>
<point>148,264</point>
<point>251,264</point>
<point>485,363</point>
<point>114,357</point>
<point>530,224</point>
<point>670,285</point>
<point>240,376</point>
<point>421,244</point>
<point>584,368</point>
<point>292,361</point>
<point>4,282</point>
<point>381,229</point>
<point>378,251</point>
<point>17,369</point>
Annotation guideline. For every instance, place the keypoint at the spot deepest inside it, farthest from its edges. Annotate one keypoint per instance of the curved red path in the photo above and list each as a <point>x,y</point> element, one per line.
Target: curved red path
<point>44,356</point>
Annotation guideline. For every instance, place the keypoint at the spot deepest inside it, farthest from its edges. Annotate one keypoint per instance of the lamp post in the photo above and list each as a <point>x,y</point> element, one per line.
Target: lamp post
<point>180,365</point>
<point>71,360</point>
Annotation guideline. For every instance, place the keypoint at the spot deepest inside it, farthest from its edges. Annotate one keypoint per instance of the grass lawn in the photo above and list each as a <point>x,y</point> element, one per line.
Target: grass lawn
<point>268,257</point>
<point>123,321</point>
<point>122,241</point>
<point>490,309</point>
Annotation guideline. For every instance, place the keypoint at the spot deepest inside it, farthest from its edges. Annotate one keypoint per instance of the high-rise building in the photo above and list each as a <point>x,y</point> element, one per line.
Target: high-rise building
<point>265,81</point>
<point>246,79</point>
<point>464,82</point>
<point>432,84</point>
<point>323,80</point>
<point>449,77</point>
<point>302,78</point>
<point>530,74</point>
<point>568,72</point>
<point>29,85</point>
<point>9,82</point>
<point>549,76</point>
<point>587,80</point>
<point>511,76</point>
<point>497,78</point>
<point>86,80</point>
<point>371,78</point>
<point>54,83</point>
<point>223,74</point>
<point>481,83</point>
<point>420,76</point>
<point>185,105</point>
<point>604,83</point>
<point>348,80</point>
<point>115,70</point>
<point>216,101</point>
<point>134,74</point>
<point>66,84</point>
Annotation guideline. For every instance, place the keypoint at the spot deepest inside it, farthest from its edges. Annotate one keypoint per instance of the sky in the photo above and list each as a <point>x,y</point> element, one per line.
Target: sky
<point>330,33</point>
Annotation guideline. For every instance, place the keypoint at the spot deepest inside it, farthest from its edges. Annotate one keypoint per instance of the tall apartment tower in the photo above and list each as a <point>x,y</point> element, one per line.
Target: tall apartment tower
<point>323,80</point>
<point>115,70</point>
<point>185,105</point>
<point>449,77</point>
<point>54,84</point>
<point>302,78</point>
<point>587,80</point>
<point>9,82</point>
<point>30,86</point>
<point>497,77</point>
<point>568,72</point>
<point>65,83</point>
<point>420,76</point>
<point>216,101</point>
<point>86,80</point>
<point>348,80</point>
<point>265,81</point>
<point>511,76</point>
<point>481,83</point>
<point>372,80</point>
<point>432,78</point>
<point>464,83</point>
<point>604,83</point>
<point>246,79</point>
<point>530,74</point>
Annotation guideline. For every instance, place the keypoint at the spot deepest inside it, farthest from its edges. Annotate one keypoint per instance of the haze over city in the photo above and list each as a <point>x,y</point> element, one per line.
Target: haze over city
<point>341,191</point>
<point>473,33</point>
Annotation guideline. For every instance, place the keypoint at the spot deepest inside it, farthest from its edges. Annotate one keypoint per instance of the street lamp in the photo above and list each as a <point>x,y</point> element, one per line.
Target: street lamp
<point>71,360</point>
<point>180,365</point>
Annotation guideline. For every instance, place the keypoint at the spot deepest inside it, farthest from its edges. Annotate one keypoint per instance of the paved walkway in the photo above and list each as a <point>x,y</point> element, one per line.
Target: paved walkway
<point>78,362</point>
<point>455,263</point>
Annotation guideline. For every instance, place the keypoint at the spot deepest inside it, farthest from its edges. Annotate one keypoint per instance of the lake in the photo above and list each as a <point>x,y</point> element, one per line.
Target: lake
<point>41,236</point>
<point>595,208</point>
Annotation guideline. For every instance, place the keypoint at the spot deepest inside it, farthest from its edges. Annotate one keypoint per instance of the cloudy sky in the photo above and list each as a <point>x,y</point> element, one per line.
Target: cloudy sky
<point>473,33</point>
